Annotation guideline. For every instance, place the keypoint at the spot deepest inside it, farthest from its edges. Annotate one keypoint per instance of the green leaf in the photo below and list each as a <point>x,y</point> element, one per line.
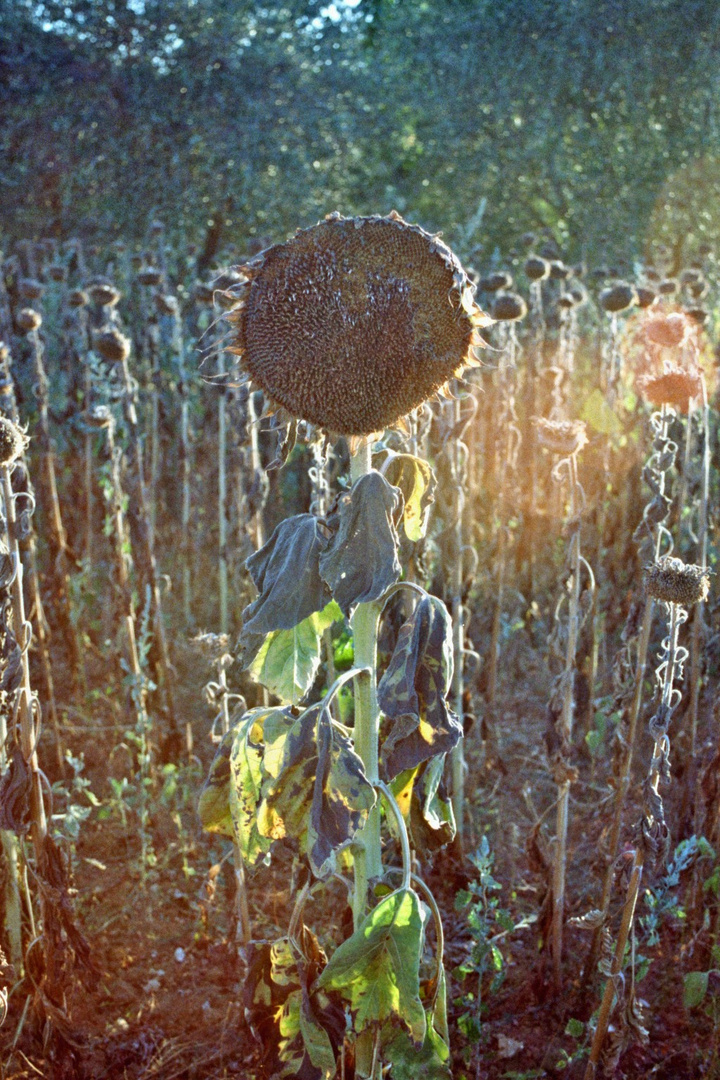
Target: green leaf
<point>288,660</point>
<point>594,740</point>
<point>377,969</point>
<point>413,689</point>
<point>316,789</point>
<point>599,415</point>
<point>285,572</point>
<point>361,561</point>
<point>575,1028</point>
<point>431,1060</point>
<point>695,986</point>
<point>416,480</point>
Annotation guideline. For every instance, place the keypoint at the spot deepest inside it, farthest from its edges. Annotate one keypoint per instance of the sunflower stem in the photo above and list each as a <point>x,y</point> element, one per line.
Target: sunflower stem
<point>364,622</point>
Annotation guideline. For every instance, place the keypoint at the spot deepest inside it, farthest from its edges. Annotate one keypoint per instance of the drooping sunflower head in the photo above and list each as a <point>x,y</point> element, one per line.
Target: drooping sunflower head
<point>355,322</point>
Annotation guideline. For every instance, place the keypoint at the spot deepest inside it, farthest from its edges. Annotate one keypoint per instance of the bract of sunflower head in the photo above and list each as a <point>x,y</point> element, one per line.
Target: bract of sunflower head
<point>355,322</point>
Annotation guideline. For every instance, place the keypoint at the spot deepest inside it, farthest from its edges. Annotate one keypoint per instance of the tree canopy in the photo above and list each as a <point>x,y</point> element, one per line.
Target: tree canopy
<point>597,120</point>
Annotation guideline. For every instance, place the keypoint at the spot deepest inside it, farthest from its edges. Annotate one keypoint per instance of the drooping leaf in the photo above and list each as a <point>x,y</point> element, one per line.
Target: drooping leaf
<point>288,660</point>
<point>290,762</point>
<point>285,572</point>
<point>377,969</point>
<point>413,689</point>
<point>361,561</point>
<point>246,767</point>
<point>431,1060</point>
<point>432,819</point>
<point>425,806</point>
<point>342,797</point>
<point>229,799</point>
<point>316,1039</point>
<point>214,802</point>
<point>416,480</point>
<point>296,1028</point>
<point>317,790</point>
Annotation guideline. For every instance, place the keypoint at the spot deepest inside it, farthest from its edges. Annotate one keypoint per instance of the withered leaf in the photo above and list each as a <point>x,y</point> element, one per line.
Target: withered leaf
<point>412,691</point>
<point>416,480</point>
<point>361,561</point>
<point>285,572</point>
<point>317,790</point>
<point>15,789</point>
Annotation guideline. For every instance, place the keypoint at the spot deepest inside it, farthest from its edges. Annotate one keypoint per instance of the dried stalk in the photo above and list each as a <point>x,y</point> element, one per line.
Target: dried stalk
<point>57,538</point>
<point>661,460</point>
<point>146,540</point>
<point>563,773</point>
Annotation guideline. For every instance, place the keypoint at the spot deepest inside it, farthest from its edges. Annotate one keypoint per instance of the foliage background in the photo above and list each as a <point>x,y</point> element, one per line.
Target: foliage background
<point>599,120</point>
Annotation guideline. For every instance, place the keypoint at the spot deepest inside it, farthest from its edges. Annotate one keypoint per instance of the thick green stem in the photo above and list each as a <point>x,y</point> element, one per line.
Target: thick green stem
<point>368,860</point>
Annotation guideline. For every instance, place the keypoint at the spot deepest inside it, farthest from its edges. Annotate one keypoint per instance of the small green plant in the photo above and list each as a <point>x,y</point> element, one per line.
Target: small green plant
<point>488,923</point>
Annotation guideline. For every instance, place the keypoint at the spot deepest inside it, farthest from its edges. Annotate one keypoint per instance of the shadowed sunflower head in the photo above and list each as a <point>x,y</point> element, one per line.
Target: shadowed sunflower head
<point>354,322</point>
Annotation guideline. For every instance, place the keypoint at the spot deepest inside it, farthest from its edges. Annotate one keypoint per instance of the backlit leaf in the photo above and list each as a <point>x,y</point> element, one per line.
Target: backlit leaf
<point>413,689</point>
<point>416,480</point>
<point>361,561</point>
<point>214,803</point>
<point>377,969</point>
<point>246,767</point>
<point>342,797</point>
<point>432,820</point>
<point>288,660</point>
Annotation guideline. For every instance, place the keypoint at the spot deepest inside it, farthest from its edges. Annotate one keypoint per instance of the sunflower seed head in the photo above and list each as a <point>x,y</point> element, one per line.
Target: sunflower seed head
<point>675,582</point>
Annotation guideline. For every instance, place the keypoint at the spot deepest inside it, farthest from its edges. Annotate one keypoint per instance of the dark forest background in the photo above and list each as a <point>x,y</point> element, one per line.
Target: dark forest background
<point>230,119</point>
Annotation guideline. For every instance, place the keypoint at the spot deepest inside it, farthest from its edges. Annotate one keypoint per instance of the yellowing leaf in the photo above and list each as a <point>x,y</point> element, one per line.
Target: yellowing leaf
<point>415,479</point>
<point>377,969</point>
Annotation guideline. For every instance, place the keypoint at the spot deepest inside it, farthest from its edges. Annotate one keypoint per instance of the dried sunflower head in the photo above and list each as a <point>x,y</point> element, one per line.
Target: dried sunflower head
<point>669,331</point>
<point>12,441</point>
<point>28,319</point>
<point>561,436</point>
<point>354,322</point>
<point>78,298</point>
<point>111,345</point>
<point>676,386</point>
<point>536,268</point>
<point>618,297</point>
<point>676,582</point>
<point>508,307</point>
<point>104,294</point>
<point>30,289</point>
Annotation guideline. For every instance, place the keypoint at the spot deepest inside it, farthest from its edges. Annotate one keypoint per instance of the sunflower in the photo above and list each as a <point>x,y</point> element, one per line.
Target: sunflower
<point>355,322</point>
